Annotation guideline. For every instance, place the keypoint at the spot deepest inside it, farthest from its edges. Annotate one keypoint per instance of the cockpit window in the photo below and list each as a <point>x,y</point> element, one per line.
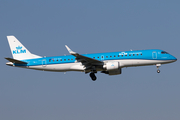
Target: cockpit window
<point>164,52</point>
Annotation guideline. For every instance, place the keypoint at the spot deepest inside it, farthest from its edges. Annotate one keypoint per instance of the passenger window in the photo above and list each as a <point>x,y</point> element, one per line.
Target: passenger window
<point>118,55</point>
<point>106,56</point>
<point>114,56</point>
<point>49,60</point>
<point>64,59</point>
<point>137,54</point>
<point>133,54</point>
<point>129,54</point>
<point>68,59</point>
<point>57,59</point>
<point>110,56</point>
<point>71,59</point>
<point>98,57</point>
<point>122,55</point>
<point>125,55</point>
<point>141,53</point>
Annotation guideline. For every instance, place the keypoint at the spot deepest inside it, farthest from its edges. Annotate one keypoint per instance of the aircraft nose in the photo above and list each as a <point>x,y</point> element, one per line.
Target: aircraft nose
<point>174,58</point>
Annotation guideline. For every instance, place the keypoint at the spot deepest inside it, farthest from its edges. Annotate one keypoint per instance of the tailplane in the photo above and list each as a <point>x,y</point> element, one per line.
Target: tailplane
<point>19,52</point>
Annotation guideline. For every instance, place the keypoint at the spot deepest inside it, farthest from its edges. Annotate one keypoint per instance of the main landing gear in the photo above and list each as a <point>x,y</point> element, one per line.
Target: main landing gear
<point>93,77</point>
<point>92,74</point>
<point>158,65</point>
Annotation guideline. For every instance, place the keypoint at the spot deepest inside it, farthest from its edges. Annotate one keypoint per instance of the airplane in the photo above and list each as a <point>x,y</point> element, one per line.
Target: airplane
<point>110,63</point>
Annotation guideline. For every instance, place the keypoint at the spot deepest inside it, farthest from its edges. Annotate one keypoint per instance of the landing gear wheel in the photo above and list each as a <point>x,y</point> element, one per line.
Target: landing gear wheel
<point>158,71</point>
<point>93,77</point>
<point>158,65</point>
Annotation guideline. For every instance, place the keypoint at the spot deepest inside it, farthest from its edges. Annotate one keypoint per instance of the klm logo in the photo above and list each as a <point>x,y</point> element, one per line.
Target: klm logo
<point>123,53</point>
<point>112,65</point>
<point>19,50</point>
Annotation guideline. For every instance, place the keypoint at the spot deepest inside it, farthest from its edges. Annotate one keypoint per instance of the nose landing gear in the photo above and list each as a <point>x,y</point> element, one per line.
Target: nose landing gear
<point>158,65</point>
<point>93,77</point>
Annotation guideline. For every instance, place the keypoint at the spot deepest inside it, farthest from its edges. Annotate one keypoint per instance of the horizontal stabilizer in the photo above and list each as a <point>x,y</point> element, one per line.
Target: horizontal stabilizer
<point>15,61</point>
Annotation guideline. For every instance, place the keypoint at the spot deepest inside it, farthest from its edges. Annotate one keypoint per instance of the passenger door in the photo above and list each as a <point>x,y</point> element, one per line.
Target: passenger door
<point>154,55</point>
<point>44,63</point>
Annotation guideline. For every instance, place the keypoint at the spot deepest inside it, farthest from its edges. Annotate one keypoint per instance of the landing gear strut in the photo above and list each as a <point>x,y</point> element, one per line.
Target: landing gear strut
<point>93,77</point>
<point>158,65</point>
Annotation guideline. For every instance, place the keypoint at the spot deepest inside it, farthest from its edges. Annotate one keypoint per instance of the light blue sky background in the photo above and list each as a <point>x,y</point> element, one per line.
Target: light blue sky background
<point>44,27</point>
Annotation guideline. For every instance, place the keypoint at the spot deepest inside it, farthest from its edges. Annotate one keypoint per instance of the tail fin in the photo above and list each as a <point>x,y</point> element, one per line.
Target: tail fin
<point>18,51</point>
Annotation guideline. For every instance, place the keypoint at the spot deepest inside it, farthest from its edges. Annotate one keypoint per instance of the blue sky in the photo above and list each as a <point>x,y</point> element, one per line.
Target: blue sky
<point>44,27</point>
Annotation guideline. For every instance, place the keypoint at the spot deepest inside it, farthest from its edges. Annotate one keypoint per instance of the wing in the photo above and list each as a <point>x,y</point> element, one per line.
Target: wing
<point>88,62</point>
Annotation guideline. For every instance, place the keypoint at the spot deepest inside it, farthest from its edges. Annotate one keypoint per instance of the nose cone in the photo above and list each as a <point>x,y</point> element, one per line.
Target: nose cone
<point>173,58</point>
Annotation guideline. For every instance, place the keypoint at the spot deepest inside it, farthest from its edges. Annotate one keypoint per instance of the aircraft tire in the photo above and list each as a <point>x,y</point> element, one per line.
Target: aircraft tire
<point>158,71</point>
<point>93,77</point>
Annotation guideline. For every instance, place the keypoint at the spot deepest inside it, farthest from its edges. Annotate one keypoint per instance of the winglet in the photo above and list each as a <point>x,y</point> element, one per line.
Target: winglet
<point>70,51</point>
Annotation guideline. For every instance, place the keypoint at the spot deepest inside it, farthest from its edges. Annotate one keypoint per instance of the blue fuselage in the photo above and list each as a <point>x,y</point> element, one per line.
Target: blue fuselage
<point>151,55</point>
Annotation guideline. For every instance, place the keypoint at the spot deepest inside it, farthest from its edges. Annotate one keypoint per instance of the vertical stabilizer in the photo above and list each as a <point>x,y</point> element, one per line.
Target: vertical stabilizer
<point>18,51</point>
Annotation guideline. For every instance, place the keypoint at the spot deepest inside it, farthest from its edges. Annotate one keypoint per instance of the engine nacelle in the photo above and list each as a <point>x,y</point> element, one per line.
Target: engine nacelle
<point>115,72</point>
<point>112,68</point>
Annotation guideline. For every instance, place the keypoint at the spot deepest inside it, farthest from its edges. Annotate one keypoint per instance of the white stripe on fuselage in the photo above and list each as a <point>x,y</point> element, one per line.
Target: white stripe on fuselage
<point>79,67</point>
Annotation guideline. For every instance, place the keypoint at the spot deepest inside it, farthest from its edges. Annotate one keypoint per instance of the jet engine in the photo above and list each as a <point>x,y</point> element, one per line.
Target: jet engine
<point>112,68</point>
